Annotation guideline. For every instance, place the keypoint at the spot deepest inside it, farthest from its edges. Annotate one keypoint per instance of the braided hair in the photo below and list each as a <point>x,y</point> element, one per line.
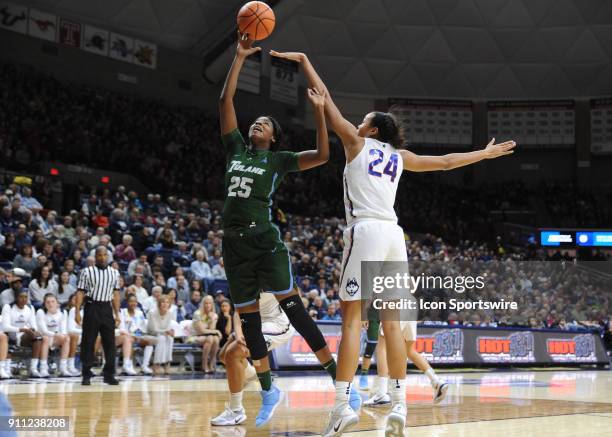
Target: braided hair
<point>389,130</point>
<point>278,133</point>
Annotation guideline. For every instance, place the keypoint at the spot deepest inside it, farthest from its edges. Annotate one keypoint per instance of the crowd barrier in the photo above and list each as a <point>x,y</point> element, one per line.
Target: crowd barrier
<point>472,347</point>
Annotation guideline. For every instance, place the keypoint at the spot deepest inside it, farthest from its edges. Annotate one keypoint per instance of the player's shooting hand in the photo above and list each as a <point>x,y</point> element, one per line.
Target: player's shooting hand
<point>245,46</point>
<point>292,56</point>
<point>496,150</point>
<point>316,97</point>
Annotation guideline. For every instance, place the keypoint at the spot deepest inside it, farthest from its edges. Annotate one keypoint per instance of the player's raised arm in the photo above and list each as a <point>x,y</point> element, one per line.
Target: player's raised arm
<point>340,125</point>
<point>314,158</point>
<point>414,162</point>
<point>227,113</point>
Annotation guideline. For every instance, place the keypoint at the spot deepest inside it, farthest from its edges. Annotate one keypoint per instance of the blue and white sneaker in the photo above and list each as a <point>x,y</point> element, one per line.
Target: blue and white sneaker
<point>269,401</point>
<point>363,382</point>
<point>354,399</point>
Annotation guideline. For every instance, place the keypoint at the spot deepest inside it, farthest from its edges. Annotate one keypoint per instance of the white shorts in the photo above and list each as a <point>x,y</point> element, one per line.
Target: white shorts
<point>371,240</point>
<point>409,330</point>
<point>276,333</point>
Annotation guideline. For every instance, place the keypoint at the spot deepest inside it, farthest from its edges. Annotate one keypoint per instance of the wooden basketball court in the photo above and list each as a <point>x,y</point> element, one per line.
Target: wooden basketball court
<point>510,403</point>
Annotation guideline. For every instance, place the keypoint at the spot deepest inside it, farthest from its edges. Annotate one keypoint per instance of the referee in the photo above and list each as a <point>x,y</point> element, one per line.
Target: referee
<point>98,287</point>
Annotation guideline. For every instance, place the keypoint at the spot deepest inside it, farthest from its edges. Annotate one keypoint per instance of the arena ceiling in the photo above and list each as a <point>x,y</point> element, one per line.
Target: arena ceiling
<point>440,48</point>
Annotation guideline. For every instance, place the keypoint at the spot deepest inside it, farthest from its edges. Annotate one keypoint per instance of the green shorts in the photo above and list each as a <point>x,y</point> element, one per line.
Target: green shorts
<point>256,263</point>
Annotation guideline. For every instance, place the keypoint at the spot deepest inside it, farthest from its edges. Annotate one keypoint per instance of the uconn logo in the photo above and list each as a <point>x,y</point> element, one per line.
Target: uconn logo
<point>352,286</point>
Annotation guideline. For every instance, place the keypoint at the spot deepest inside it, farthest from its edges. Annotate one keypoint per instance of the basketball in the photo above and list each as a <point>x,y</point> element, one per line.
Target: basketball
<point>256,19</point>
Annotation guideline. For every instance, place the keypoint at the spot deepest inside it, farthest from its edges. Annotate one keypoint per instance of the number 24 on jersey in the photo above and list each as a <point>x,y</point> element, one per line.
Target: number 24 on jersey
<point>390,169</point>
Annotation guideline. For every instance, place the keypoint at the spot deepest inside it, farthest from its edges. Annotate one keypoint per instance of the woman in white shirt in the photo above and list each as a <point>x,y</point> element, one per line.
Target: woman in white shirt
<point>51,322</point>
<point>141,292</point>
<point>160,329</point>
<point>207,335</point>
<point>5,363</point>
<point>19,321</point>
<point>134,324</point>
<point>64,289</point>
<point>42,284</point>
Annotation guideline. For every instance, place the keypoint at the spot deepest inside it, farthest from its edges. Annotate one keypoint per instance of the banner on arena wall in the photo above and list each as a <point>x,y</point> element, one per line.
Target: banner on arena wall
<point>95,40</point>
<point>69,33</point>
<point>601,126</point>
<point>42,25</point>
<point>145,54</point>
<point>250,76</point>
<point>121,47</point>
<point>13,17</point>
<point>284,81</point>
<point>472,346</point>
<point>548,123</point>
<point>434,122</point>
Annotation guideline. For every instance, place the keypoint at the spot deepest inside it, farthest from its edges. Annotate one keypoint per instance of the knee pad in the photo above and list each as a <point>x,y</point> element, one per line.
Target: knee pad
<point>369,349</point>
<point>302,322</point>
<point>251,328</point>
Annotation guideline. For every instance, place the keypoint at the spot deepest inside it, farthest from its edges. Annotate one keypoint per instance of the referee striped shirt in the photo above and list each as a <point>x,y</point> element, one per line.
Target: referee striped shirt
<point>99,284</point>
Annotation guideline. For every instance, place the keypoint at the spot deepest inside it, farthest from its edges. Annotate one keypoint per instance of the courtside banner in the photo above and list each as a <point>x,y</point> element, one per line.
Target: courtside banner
<point>468,346</point>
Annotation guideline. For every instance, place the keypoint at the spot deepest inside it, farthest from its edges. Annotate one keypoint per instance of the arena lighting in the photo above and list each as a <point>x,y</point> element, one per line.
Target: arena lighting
<point>105,179</point>
<point>54,171</point>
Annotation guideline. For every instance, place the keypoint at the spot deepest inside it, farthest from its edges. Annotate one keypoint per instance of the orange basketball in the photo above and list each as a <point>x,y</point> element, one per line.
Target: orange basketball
<point>256,19</point>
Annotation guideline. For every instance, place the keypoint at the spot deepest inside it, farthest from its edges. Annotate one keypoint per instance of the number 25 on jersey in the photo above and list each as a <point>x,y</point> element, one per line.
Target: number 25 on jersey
<point>376,158</point>
<point>239,186</point>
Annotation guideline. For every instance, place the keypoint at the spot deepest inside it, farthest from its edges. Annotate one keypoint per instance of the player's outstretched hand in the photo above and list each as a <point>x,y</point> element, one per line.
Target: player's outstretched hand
<point>316,97</point>
<point>496,150</point>
<point>292,56</point>
<point>245,46</point>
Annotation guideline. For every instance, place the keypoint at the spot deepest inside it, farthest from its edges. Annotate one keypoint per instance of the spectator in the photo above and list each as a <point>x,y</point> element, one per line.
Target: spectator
<point>201,270</point>
<point>22,237</point>
<point>25,259</point>
<point>161,332</point>
<point>180,284</point>
<point>125,252</point>
<point>8,251</point>
<point>42,284</point>
<point>139,290</point>
<point>64,288</point>
<point>151,302</point>
<point>140,261</point>
<point>332,313</point>
<point>225,321</point>
<point>218,271</point>
<point>7,297</point>
<point>204,327</point>
<point>194,303</point>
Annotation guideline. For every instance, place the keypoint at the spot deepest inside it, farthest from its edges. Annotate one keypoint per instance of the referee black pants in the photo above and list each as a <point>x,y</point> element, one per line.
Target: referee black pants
<point>98,319</point>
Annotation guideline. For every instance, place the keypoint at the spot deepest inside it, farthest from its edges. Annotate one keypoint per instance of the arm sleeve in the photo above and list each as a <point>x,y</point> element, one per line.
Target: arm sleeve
<point>233,143</point>
<point>287,162</point>
<point>6,320</point>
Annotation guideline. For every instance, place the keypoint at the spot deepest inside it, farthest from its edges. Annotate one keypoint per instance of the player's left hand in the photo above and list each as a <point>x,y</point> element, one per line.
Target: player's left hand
<point>496,150</point>
<point>316,97</point>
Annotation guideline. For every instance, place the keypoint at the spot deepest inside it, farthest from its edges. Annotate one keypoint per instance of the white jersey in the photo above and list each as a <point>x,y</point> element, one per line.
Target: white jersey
<point>270,310</point>
<point>370,183</point>
<point>15,318</point>
<point>50,324</point>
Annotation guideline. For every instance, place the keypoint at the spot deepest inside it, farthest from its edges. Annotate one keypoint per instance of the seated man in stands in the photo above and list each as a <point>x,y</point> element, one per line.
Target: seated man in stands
<point>16,278</point>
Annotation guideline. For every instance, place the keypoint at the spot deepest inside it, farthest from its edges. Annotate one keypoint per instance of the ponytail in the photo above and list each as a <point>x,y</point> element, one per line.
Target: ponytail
<point>389,130</point>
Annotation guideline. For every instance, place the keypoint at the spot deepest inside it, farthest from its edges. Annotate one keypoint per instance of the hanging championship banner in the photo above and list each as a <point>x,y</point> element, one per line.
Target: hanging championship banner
<point>284,81</point>
<point>42,25</point>
<point>70,33</point>
<point>95,40</point>
<point>250,76</point>
<point>145,54</point>
<point>13,17</point>
<point>601,126</point>
<point>121,47</point>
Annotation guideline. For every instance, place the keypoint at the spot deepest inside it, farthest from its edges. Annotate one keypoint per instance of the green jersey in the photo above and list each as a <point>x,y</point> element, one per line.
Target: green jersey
<point>251,177</point>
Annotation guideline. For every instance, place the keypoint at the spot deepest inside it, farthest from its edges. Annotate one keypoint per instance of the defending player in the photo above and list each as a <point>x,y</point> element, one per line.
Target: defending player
<point>255,256</point>
<point>374,164</point>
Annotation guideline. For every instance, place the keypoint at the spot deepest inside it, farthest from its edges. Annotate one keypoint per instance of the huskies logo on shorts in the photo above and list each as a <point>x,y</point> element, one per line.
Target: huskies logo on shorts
<point>352,286</point>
